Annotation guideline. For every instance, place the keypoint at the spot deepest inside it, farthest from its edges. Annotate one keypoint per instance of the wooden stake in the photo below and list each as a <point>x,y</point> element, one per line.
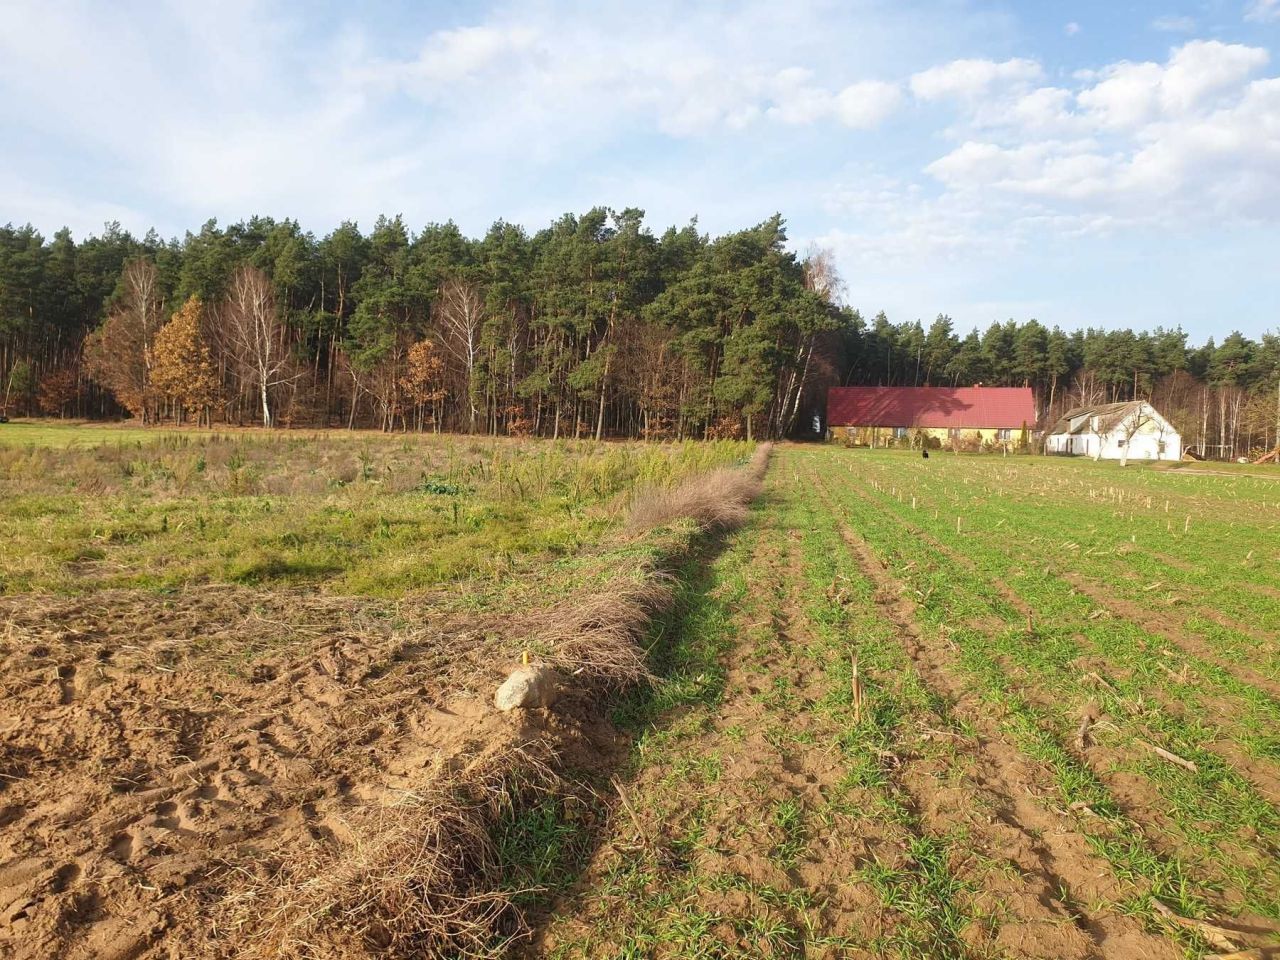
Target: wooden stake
<point>626,805</point>
<point>1097,678</point>
<point>857,692</point>
<point>1220,938</point>
<point>1164,754</point>
<point>1082,732</point>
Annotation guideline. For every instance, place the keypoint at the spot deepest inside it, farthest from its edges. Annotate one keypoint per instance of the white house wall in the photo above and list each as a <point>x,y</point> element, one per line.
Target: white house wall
<point>1142,446</point>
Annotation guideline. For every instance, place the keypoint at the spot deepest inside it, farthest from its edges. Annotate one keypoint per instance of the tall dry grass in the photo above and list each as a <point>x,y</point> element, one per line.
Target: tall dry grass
<point>422,878</point>
<point>598,638</point>
<point>716,500</point>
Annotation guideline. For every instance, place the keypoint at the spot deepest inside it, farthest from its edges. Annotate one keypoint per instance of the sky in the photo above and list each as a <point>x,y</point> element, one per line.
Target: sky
<point>1107,164</point>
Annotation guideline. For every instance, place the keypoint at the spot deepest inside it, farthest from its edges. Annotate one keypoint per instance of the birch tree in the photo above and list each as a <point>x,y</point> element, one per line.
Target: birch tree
<point>460,314</point>
<point>256,337</point>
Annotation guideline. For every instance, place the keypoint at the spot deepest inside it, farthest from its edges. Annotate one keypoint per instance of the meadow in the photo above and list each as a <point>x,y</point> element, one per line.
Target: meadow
<point>967,707</point>
<point>88,508</point>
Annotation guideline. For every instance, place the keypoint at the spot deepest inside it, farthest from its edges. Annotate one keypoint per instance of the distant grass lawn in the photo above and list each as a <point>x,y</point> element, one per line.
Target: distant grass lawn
<point>85,507</point>
<point>72,433</point>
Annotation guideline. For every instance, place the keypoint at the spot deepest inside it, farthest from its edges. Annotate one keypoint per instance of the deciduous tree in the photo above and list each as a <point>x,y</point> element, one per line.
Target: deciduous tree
<point>423,381</point>
<point>256,337</point>
<point>182,364</point>
<point>119,353</point>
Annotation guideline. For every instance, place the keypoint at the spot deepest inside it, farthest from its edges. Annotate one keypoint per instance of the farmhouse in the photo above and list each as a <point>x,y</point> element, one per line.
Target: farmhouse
<point>959,416</point>
<point>1115,431</point>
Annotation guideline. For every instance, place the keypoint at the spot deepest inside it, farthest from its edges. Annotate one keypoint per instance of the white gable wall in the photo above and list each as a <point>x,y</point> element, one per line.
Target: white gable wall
<point>1143,445</point>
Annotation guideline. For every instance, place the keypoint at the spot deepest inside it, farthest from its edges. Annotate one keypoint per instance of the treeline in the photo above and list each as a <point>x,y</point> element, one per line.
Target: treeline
<point>1224,398</point>
<point>594,326</point>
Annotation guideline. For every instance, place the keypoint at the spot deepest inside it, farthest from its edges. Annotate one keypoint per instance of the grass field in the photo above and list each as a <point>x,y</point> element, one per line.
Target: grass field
<point>966,707</point>
<point>88,508</point>
<point>967,807</point>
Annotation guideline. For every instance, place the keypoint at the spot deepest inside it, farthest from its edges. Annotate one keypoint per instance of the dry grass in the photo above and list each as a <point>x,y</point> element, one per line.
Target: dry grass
<point>716,500</point>
<point>421,878</point>
<point>597,638</point>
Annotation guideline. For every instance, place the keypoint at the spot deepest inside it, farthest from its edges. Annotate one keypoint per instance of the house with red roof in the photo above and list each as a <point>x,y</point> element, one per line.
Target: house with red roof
<point>959,417</point>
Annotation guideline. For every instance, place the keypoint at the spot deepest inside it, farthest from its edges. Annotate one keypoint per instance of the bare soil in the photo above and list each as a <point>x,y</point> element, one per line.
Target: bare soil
<point>149,766</point>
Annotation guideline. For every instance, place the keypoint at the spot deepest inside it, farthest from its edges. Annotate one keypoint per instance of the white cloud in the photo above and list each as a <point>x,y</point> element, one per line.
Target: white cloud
<point>1131,94</point>
<point>280,108</point>
<point>1174,23</point>
<point>680,83</point>
<point>887,221</point>
<point>1192,138</point>
<point>867,104</point>
<point>967,79</point>
<point>451,55</point>
<point>1045,109</point>
<point>1071,29</point>
<point>795,98</point>
<point>1263,11</point>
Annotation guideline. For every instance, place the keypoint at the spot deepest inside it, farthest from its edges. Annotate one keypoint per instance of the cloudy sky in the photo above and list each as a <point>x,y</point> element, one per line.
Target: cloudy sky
<point>1099,163</point>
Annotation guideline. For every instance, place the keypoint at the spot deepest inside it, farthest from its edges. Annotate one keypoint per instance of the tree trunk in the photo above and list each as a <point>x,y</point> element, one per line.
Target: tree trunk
<point>604,379</point>
<point>266,406</point>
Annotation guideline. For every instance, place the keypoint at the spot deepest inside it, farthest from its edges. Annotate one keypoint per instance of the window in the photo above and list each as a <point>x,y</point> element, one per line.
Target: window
<point>1122,443</point>
<point>954,433</point>
<point>1160,447</point>
<point>899,433</point>
<point>1004,433</point>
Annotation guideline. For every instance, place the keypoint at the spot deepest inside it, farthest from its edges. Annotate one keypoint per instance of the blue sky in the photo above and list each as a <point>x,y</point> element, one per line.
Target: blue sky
<point>1106,164</point>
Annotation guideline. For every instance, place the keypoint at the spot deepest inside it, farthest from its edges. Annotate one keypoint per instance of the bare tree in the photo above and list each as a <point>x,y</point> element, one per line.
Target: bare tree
<point>119,353</point>
<point>1087,389</point>
<point>256,336</point>
<point>821,275</point>
<point>384,382</point>
<point>461,316</point>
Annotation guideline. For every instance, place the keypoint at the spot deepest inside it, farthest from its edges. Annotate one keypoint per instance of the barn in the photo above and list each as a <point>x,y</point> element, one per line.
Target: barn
<point>1115,431</point>
<point>961,417</point>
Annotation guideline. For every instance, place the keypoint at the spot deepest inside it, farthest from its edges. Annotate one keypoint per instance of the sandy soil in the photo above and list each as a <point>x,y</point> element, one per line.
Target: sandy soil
<point>146,775</point>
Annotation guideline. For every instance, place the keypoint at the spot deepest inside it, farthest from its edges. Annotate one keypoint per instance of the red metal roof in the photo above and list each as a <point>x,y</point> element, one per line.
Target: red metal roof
<point>968,407</point>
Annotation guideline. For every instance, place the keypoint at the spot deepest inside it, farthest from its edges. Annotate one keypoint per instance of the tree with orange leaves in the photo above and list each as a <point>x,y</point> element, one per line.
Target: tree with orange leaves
<point>182,367</point>
<point>422,380</point>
